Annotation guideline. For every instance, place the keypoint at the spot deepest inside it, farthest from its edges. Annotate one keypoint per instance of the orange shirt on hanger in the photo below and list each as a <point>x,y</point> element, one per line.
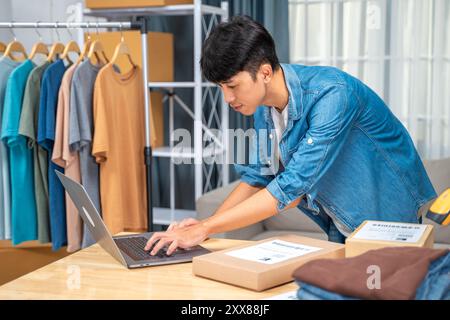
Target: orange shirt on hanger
<point>118,146</point>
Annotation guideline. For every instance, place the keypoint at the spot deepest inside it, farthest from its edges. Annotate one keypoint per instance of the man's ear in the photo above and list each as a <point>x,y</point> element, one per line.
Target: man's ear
<point>266,71</point>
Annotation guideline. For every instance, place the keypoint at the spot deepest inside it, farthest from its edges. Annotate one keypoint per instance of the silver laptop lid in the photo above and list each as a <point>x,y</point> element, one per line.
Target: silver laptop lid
<point>90,216</point>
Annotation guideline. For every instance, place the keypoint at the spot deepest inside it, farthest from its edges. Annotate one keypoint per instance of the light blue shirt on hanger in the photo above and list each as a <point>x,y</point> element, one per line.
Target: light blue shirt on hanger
<point>6,67</point>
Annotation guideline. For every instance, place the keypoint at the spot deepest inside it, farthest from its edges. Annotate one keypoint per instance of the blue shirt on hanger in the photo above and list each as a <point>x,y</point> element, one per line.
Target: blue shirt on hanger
<point>51,81</point>
<point>23,203</point>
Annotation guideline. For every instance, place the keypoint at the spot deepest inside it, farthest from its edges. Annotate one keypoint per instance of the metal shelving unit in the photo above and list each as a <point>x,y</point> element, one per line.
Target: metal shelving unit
<point>203,92</point>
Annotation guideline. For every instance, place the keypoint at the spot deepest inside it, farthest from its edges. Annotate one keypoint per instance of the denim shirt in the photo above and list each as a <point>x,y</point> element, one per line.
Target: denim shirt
<point>342,149</point>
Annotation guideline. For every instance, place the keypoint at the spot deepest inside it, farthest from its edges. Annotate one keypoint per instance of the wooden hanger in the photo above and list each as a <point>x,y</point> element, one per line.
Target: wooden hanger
<point>39,47</point>
<point>15,47</point>
<point>87,45</point>
<point>98,51</point>
<point>56,49</point>
<point>122,49</point>
<point>2,47</point>
<point>85,51</point>
<point>72,46</point>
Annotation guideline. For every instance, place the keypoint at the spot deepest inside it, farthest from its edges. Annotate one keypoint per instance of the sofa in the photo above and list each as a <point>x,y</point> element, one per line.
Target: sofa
<point>293,221</point>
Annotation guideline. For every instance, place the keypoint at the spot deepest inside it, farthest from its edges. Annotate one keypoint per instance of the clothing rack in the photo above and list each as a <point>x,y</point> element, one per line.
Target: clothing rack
<point>140,24</point>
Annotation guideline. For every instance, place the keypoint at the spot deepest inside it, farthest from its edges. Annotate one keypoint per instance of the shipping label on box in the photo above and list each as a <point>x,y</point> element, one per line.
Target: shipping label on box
<point>272,252</point>
<point>391,231</point>
<point>379,234</point>
<point>266,263</point>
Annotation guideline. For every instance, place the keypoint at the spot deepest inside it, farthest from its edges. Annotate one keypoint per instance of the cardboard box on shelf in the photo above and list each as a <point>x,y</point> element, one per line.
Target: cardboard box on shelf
<point>160,67</point>
<point>264,264</point>
<point>160,51</point>
<point>111,4</point>
<point>379,234</point>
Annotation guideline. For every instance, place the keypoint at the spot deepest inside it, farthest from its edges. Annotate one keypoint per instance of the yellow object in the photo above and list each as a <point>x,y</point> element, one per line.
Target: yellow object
<point>440,209</point>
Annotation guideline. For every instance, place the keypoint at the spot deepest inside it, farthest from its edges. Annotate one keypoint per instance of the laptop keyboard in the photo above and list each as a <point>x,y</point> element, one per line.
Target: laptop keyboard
<point>134,247</point>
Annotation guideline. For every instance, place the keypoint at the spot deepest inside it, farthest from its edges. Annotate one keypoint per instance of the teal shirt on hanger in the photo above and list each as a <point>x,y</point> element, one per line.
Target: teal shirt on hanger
<point>23,203</point>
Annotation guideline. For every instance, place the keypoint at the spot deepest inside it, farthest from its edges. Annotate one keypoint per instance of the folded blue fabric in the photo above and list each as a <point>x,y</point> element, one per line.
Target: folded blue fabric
<point>435,285</point>
<point>310,292</point>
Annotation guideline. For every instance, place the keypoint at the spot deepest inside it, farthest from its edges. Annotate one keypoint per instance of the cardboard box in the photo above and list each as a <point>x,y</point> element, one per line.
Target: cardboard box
<point>264,264</point>
<point>160,51</point>
<point>106,4</point>
<point>372,235</point>
<point>157,120</point>
<point>160,68</point>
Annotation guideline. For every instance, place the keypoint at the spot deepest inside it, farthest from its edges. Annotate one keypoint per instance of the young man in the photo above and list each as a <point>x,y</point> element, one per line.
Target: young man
<point>343,156</point>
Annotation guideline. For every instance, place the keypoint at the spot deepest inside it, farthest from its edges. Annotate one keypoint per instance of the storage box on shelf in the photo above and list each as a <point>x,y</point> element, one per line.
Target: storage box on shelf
<point>107,4</point>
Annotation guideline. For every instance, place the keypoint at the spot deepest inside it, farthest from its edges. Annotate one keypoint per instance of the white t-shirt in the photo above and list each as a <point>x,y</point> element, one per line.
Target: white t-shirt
<point>280,120</point>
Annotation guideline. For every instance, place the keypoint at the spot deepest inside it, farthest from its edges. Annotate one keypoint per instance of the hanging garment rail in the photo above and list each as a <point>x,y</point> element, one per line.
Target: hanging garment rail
<point>140,24</point>
<point>124,25</point>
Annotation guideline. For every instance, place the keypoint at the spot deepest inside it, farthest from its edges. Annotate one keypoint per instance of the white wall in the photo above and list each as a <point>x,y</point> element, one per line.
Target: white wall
<point>5,15</point>
<point>401,49</point>
<point>41,10</point>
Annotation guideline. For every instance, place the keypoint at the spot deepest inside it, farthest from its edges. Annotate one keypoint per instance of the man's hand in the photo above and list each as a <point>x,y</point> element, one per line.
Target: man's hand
<point>183,237</point>
<point>257,207</point>
<point>183,223</point>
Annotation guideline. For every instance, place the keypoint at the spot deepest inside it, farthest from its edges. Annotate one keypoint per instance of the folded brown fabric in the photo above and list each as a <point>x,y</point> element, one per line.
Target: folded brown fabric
<point>401,271</point>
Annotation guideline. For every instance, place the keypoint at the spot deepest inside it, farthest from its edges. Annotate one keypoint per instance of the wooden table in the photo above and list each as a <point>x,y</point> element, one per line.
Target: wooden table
<point>93,274</point>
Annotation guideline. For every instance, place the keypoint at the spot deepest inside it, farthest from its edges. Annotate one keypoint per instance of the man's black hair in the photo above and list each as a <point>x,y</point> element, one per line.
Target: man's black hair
<point>241,44</point>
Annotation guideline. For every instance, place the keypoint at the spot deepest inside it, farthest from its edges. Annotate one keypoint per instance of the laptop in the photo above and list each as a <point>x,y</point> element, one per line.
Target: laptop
<point>128,250</point>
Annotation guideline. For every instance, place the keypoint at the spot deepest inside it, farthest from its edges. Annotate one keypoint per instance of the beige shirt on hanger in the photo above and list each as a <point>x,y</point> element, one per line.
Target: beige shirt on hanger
<point>65,158</point>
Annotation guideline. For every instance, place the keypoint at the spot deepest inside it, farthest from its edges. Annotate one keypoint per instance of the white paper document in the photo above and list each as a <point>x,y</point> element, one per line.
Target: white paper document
<point>272,252</point>
<point>291,295</point>
<point>391,231</point>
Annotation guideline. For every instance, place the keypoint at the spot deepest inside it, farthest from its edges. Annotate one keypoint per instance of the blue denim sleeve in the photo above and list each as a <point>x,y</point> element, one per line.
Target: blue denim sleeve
<point>251,174</point>
<point>254,173</point>
<point>330,121</point>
